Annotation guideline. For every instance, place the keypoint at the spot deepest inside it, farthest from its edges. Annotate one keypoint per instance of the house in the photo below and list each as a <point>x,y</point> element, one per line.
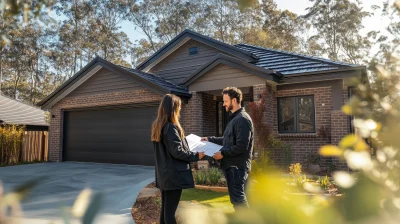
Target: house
<point>14,112</point>
<point>105,111</point>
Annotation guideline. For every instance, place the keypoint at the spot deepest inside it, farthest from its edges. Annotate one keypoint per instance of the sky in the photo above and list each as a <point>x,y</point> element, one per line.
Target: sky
<point>296,6</point>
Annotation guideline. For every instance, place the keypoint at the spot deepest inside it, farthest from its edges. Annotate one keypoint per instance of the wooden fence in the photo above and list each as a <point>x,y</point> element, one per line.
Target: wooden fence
<point>35,146</point>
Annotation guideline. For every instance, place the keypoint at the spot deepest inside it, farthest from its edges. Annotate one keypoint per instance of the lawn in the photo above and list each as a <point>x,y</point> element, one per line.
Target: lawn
<point>211,199</point>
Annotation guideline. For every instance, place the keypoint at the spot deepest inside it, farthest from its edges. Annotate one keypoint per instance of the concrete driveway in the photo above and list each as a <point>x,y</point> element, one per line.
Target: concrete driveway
<point>119,183</point>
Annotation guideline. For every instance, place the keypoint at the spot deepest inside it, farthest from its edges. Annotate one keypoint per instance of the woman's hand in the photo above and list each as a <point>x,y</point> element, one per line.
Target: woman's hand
<point>204,139</point>
<point>201,155</point>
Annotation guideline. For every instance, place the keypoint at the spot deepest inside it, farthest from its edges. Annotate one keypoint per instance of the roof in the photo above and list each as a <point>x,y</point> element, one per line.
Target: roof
<point>149,81</point>
<point>15,112</point>
<point>173,88</point>
<point>233,62</point>
<point>288,63</point>
<point>188,34</point>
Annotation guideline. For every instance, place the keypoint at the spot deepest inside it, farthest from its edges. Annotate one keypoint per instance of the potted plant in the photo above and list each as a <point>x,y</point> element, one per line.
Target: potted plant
<point>313,161</point>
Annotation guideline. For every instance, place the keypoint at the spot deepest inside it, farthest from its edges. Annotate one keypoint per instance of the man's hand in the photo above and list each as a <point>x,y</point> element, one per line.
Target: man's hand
<point>218,156</point>
<point>201,155</point>
<point>204,139</point>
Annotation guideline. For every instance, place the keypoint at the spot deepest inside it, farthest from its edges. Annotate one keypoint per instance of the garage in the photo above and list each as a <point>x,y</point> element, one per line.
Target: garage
<point>109,135</point>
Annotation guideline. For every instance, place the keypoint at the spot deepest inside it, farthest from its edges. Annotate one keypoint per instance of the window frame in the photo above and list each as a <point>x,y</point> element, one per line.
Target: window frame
<point>296,113</point>
<point>197,52</point>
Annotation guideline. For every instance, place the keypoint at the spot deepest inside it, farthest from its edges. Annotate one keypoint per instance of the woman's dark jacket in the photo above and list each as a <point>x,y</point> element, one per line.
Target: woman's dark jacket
<point>173,160</point>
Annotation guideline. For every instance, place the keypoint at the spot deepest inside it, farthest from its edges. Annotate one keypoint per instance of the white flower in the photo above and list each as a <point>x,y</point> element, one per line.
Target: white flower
<point>358,160</point>
<point>344,179</point>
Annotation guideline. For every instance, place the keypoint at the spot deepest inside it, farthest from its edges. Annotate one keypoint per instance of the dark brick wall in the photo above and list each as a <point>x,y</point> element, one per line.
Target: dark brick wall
<point>304,144</point>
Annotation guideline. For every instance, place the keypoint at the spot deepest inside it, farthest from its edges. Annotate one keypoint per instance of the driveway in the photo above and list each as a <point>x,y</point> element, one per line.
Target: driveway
<point>119,183</point>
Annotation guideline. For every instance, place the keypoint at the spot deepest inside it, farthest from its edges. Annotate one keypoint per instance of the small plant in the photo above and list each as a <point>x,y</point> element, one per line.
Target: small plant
<point>295,169</point>
<point>200,177</point>
<point>214,175</point>
<point>324,182</point>
<point>300,180</point>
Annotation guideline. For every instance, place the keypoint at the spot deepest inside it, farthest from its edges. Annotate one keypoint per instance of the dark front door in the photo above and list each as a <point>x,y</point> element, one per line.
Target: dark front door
<point>109,135</point>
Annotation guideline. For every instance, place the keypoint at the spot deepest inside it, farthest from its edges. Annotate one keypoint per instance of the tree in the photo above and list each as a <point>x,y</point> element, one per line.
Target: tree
<point>338,24</point>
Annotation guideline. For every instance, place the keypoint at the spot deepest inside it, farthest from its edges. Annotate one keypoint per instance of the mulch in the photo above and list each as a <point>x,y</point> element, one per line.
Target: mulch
<point>147,211</point>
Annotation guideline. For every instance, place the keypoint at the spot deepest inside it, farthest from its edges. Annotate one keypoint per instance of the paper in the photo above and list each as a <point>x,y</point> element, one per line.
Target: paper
<point>196,145</point>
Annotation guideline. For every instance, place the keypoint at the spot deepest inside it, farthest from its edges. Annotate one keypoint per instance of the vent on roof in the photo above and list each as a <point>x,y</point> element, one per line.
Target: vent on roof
<point>193,50</point>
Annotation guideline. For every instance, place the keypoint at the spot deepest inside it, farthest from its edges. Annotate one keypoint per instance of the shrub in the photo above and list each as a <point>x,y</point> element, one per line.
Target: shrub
<point>295,169</point>
<point>214,175</point>
<point>200,177</point>
<point>11,139</point>
<point>324,182</point>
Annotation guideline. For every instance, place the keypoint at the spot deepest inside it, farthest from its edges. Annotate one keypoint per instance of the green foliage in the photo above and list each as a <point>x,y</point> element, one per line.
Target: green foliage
<point>200,177</point>
<point>211,176</point>
<point>11,139</point>
<point>295,169</point>
<point>214,175</point>
<point>324,182</point>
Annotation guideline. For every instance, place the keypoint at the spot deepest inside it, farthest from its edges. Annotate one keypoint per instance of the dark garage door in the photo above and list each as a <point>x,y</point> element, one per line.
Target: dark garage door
<point>109,135</point>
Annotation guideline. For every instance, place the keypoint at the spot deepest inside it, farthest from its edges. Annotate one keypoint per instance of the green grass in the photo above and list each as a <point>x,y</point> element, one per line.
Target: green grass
<point>211,199</point>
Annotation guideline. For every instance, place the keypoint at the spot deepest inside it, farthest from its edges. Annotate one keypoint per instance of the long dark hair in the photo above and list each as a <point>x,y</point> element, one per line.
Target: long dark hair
<point>169,110</point>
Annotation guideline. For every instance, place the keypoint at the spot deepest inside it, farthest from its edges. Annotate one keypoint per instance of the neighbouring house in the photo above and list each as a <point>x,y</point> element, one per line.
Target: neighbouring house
<point>14,112</point>
<point>105,111</point>
<point>34,145</point>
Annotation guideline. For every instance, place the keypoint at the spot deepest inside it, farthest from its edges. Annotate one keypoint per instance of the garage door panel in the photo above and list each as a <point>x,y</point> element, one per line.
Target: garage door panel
<point>109,136</point>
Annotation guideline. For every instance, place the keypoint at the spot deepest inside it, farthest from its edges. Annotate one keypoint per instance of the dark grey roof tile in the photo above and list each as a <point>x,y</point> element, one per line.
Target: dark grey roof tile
<point>291,63</point>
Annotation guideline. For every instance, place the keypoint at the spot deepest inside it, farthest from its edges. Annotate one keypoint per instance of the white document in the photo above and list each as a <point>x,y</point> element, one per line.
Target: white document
<point>196,145</point>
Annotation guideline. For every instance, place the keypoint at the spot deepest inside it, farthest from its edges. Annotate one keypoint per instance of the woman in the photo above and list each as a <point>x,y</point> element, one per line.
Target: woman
<point>173,157</point>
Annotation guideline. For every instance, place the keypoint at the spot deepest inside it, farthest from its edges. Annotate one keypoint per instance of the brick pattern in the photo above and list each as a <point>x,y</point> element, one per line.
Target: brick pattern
<point>56,123</point>
<point>192,116</point>
<point>340,128</point>
<point>303,144</point>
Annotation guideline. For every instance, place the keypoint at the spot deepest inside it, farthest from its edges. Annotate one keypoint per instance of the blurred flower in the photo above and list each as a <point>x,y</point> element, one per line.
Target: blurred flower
<point>344,179</point>
<point>358,160</point>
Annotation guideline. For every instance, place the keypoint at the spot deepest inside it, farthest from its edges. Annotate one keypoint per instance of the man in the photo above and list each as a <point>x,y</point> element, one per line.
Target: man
<point>237,143</point>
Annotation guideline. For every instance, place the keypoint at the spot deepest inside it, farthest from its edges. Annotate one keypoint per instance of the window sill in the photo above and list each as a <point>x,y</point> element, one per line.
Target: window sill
<point>302,135</point>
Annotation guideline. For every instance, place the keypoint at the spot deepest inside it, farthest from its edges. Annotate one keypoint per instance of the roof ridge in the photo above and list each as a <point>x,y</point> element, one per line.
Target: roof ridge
<point>299,55</point>
<point>137,70</point>
<point>27,104</point>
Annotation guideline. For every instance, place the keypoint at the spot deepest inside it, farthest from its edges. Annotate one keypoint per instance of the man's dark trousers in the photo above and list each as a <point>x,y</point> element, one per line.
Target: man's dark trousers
<point>236,179</point>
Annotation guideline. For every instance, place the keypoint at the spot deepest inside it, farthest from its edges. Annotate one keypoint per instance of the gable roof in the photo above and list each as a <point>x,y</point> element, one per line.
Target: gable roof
<point>288,63</point>
<point>15,112</point>
<point>188,34</point>
<point>149,81</point>
<point>233,62</point>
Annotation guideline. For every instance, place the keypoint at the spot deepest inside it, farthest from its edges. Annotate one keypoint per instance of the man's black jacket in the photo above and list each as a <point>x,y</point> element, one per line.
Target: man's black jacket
<point>237,141</point>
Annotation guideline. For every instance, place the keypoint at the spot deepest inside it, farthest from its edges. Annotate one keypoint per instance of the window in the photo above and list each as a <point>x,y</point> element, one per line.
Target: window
<point>296,114</point>
<point>193,50</point>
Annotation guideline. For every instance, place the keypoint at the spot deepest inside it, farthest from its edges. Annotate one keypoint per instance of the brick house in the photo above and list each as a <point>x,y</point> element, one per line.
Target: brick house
<point>104,112</point>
